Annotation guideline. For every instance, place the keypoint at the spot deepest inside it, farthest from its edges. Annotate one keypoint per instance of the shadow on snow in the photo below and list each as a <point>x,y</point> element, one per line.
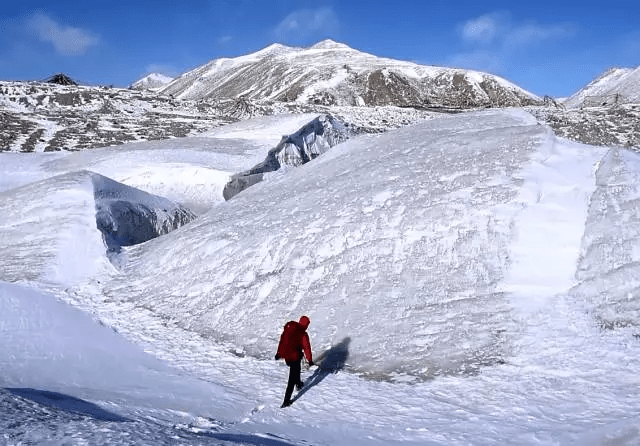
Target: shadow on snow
<point>67,403</point>
<point>331,361</point>
<point>257,440</point>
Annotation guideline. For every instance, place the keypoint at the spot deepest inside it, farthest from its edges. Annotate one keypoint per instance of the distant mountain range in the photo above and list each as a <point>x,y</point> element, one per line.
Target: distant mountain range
<point>331,73</point>
<point>369,93</point>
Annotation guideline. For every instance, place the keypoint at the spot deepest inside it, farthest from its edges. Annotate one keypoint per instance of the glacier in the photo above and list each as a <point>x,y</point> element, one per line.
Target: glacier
<point>475,272</point>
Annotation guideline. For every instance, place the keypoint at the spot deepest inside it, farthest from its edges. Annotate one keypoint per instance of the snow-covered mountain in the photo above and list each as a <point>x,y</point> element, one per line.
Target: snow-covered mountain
<point>151,81</point>
<point>614,86</point>
<point>332,73</point>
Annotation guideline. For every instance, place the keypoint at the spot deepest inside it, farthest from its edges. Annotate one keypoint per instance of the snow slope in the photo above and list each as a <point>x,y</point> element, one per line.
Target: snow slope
<point>616,81</point>
<point>469,280</point>
<point>409,225</point>
<point>56,359</point>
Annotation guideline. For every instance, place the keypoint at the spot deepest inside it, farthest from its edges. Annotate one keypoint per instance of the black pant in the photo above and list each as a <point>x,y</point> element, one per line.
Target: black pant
<point>294,378</point>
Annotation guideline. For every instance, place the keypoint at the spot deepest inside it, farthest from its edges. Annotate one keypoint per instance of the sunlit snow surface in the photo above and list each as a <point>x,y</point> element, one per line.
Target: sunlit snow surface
<point>471,280</point>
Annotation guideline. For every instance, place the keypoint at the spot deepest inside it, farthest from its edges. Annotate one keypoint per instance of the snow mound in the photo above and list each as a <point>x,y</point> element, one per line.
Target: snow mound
<point>400,242</point>
<point>86,211</point>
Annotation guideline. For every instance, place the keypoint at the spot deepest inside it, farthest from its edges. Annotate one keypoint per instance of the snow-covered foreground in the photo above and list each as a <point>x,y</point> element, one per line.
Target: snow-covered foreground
<point>470,280</point>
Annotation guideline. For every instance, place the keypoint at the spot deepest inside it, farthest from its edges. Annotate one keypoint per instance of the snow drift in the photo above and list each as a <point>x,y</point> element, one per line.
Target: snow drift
<point>380,240</point>
<point>88,211</point>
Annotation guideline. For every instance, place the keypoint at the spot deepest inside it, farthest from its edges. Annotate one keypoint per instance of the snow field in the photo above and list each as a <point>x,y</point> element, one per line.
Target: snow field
<point>475,272</point>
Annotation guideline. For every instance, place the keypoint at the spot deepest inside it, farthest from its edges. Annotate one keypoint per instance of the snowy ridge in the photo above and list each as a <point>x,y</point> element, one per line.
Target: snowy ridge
<point>331,73</point>
<point>88,212</point>
<point>624,82</point>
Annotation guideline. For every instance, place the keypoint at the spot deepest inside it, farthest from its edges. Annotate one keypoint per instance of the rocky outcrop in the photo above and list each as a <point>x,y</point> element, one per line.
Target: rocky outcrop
<point>294,150</point>
<point>47,117</point>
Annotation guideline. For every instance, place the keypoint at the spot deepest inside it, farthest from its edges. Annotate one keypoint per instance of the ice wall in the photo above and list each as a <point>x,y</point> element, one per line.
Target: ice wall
<point>609,268</point>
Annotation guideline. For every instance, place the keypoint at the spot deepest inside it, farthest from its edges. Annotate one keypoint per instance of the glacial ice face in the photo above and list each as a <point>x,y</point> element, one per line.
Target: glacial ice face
<point>311,141</point>
<point>127,216</point>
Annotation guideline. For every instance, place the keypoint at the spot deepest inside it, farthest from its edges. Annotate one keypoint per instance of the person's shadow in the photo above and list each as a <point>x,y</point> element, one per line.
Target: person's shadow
<point>331,361</point>
<point>66,403</point>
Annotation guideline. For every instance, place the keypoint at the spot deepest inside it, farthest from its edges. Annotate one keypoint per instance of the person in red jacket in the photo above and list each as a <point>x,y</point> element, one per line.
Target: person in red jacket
<point>293,342</point>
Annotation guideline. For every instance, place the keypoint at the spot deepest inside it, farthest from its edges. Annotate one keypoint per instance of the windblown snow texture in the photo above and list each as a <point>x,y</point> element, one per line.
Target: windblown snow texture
<point>410,225</point>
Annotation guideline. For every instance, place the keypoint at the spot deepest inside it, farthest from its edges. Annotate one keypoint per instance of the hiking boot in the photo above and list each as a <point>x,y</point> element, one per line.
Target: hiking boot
<point>299,385</point>
<point>287,403</point>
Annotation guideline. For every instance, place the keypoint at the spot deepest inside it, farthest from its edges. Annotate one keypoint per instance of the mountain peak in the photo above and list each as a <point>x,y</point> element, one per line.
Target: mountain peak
<point>329,44</point>
<point>151,81</point>
<point>332,73</point>
<point>274,48</point>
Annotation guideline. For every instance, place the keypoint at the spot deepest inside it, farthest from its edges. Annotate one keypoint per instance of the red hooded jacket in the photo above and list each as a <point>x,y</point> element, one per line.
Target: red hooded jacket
<point>294,340</point>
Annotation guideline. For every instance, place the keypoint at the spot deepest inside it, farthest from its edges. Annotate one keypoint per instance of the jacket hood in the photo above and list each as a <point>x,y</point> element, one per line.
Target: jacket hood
<point>304,321</point>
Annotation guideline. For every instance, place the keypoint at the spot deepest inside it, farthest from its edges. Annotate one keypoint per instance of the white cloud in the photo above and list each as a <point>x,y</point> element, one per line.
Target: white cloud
<point>307,23</point>
<point>498,29</point>
<point>484,28</point>
<point>532,33</point>
<point>66,40</point>
<point>492,40</point>
<point>224,39</point>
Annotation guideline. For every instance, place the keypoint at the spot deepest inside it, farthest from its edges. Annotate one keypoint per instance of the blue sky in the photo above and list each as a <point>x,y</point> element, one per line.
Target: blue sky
<point>547,47</point>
